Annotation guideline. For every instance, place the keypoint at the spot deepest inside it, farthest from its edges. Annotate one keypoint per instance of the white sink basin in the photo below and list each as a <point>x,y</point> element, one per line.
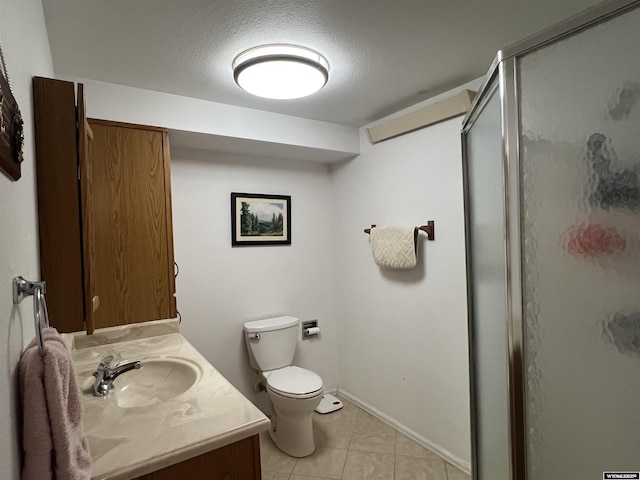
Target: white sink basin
<point>159,379</point>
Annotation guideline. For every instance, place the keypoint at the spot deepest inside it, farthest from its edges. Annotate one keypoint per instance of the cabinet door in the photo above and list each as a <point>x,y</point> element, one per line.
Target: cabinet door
<point>237,461</point>
<point>85,137</point>
<point>58,205</point>
<point>132,251</point>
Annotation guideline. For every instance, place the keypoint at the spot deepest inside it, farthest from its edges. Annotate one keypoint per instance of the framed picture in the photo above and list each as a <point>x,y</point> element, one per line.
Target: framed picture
<point>258,219</point>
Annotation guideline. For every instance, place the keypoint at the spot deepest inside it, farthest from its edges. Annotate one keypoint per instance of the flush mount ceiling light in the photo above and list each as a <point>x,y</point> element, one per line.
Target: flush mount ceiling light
<point>280,71</point>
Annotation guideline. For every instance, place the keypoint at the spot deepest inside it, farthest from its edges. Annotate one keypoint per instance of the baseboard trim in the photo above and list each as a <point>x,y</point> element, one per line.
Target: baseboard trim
<point>425,442</point>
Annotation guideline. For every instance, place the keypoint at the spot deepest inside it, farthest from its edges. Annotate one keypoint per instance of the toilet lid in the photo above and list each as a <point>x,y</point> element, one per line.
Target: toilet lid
<point>294,381</point>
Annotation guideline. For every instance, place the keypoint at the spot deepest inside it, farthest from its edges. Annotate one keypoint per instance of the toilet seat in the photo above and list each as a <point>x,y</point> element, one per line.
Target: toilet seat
<point>294,382</point>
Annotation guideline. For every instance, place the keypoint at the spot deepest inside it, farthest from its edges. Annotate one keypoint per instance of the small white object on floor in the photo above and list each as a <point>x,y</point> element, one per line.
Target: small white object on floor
<point>329,404</point>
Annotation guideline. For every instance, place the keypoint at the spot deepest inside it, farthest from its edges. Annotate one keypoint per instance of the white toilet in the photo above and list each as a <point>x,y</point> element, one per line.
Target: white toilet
<point>293,391</point>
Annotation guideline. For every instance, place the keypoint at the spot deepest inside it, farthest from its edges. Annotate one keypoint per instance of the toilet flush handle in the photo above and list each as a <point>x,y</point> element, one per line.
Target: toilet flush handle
<point>253,336</point>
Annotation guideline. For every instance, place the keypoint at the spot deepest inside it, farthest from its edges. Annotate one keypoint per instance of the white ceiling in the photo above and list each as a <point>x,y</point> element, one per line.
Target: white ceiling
<point>384,55</point>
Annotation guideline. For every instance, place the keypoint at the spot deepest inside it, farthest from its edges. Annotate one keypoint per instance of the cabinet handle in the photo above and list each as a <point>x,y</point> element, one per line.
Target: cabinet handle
<point>95,301</point>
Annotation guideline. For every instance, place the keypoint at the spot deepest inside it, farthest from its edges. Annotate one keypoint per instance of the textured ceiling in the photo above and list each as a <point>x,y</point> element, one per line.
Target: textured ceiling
<point>383,55</point>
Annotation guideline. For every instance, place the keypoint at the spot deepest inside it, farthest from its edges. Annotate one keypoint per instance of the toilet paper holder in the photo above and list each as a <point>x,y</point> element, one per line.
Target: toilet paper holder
<point>310,329</point>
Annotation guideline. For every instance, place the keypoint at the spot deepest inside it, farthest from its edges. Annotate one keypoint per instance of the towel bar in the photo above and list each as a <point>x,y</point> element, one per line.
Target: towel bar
<point>429,229</point>
<point>23,288</point>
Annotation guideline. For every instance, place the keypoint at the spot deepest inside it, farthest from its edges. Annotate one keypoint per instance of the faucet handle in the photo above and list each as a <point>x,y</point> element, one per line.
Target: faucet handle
<point>111,360</point>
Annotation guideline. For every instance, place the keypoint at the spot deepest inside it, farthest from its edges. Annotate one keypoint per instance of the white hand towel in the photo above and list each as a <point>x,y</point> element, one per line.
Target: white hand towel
<point>394,247</point>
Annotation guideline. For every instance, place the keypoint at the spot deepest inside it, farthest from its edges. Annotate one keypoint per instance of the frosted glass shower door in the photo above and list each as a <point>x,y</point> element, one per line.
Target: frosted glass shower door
<point>487,288</point>
<point>580,160</point>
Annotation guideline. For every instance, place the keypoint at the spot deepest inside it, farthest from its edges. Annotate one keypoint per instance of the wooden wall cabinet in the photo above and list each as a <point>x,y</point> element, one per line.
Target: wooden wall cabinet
<point>104,209</point>
<point>130,194</point>
<point>59,201</point>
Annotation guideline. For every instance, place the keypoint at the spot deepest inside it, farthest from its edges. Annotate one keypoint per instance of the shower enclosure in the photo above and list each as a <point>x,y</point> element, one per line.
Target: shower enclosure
<point>552,199</point>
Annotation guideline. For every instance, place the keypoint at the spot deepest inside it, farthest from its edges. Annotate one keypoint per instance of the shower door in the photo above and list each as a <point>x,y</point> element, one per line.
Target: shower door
<point>487,286</point>
<point>569,158</point>
<point>580,160</point>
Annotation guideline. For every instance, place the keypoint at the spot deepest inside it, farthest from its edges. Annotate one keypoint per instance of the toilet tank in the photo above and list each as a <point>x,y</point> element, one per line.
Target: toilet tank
<point>276,343</point>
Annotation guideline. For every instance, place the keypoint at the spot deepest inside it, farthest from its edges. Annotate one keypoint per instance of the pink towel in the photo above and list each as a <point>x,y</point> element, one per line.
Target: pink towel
<point>53,439</point>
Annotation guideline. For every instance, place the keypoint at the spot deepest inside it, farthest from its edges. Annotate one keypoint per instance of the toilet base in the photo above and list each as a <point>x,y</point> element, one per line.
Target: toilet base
<point>293,432</point>
<point>294,438</point>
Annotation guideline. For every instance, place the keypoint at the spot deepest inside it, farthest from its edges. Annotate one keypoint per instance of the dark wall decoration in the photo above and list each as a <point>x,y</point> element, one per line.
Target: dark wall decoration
<point>259,219</point>
<point>11,127</point>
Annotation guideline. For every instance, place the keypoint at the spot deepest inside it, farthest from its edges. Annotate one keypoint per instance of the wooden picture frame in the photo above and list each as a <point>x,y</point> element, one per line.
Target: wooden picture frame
<point>11,131</point>
<point>259,219</point>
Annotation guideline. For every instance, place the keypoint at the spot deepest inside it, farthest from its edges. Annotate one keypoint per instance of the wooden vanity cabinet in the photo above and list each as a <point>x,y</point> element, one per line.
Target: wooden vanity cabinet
<point>238,461</point>
<point>104,213</point>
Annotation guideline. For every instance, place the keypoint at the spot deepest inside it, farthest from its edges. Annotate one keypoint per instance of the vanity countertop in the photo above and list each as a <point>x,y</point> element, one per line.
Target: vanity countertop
<point>129,442</point>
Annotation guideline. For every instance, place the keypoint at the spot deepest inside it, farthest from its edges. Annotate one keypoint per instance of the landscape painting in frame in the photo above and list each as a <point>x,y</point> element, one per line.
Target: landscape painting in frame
<point>258,219</point>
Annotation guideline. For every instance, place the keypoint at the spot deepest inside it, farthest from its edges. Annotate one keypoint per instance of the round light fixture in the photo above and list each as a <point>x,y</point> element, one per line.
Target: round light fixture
<point>280,71</point>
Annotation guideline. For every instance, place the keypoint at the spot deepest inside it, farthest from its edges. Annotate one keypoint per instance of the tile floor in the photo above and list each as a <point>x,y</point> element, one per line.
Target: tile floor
<point>351,444</point>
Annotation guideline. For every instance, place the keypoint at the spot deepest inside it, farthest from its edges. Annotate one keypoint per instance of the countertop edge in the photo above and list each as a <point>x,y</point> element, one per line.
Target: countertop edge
<point>133,471</point>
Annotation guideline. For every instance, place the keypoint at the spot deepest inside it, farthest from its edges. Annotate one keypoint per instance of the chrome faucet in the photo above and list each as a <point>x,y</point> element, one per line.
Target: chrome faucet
<point>108,370</point>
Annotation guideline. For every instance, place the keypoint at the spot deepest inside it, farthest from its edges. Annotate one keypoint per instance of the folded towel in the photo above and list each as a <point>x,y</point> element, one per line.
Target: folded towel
<point>394,247</point>
<point>53,438</point>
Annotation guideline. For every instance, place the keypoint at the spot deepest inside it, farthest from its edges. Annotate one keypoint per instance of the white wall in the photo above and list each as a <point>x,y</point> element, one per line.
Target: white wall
<point>403,334</point>
<point>26,49</point>
<point>220,287</point>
